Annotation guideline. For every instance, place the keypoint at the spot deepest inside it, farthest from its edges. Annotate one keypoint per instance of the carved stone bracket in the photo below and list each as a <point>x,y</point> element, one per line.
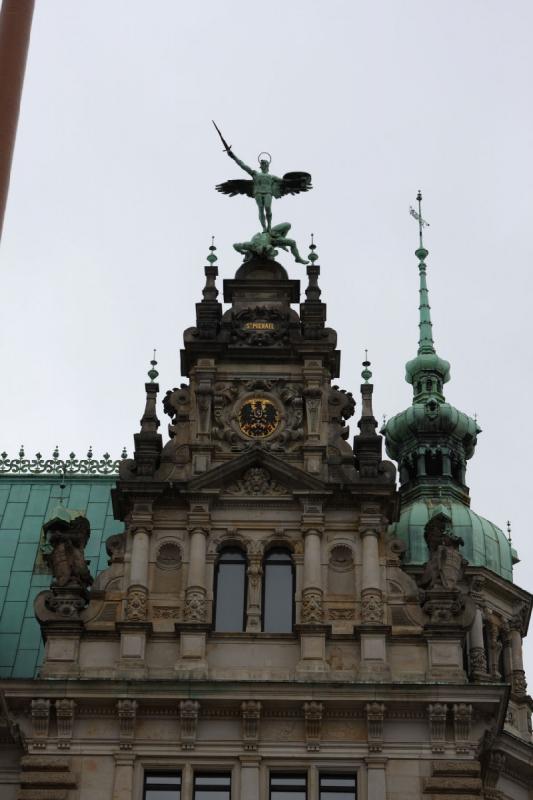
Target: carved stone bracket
<point>40,717</point>
<point>65,710</point>
<point>251,715</point>
<point>371,606</point>
<point>313,713</point>
<point>462,720</point>
<point>195,609</point>
<point>137,603</point>
<point>127,713</point>
<point>189,710</point>
<point>312,610</point>
<point>375,715</point>
<point>437,726</point>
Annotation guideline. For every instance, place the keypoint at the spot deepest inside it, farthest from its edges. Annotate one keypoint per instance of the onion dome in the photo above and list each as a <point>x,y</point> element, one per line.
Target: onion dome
<point>432,441</point>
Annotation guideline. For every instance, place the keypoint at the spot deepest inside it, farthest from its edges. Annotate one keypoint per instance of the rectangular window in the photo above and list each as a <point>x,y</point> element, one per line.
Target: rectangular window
<point>162,786</point>
<point>212,786</point>
<point>288,786</point>
<point>338,787</point>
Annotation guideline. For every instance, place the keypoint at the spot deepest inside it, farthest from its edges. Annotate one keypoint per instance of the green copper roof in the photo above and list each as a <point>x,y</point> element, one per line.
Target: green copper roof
<point>485,544</point>
<point>427,372</point>
<point>26,502</point>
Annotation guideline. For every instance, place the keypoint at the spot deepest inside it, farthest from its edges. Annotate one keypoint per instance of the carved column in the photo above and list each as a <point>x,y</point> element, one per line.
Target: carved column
<point>477,654</point>
<point>518,678</point>
<point>312,583</point>
<point>371,598</point>
<point>255,573</point>
<point>195,595</point>
<point>137,602</point>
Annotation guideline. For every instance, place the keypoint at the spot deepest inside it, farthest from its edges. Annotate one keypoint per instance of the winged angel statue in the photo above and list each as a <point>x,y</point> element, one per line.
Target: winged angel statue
<point>263,186</point>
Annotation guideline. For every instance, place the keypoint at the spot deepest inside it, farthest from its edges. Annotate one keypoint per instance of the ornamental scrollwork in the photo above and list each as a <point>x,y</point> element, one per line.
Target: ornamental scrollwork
<point>60,466</point>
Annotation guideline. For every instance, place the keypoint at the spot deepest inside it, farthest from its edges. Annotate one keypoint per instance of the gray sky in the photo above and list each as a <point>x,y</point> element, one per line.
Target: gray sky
<point>112,204</point>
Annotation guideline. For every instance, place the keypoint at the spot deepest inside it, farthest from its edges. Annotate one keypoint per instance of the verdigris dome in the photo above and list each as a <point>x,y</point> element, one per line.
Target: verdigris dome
<point>485,545</point>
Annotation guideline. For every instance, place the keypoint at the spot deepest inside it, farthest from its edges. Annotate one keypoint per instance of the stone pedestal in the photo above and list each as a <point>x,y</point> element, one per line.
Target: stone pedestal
<point>62,650</point>
<point>133,636</point>
<point>373,665</point>
<point>312,662</point>
<point>445,653</point>
<point>192,659</point>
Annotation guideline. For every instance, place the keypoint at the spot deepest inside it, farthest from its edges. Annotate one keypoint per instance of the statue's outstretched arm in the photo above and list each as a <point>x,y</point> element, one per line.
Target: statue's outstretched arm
<point>241,164</point>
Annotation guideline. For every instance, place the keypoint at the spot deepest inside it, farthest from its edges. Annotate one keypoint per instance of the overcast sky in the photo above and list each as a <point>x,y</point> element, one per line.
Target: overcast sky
<point>112,204</point>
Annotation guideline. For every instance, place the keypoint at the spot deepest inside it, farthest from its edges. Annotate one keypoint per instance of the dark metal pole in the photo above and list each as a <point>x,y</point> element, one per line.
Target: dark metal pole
<point>15,26</point>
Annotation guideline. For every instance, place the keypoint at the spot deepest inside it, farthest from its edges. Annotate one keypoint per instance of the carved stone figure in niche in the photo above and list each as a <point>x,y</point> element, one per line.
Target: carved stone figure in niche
<point>256,482</point>
<point>445,566</point>
<point>341,406</point>
<point>444,597</point>
<point>115,546</point>
<point>64,552</point>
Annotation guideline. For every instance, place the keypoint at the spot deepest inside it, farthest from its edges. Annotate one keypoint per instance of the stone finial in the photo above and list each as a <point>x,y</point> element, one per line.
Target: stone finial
<point>313,713</point>
<point>127,714</point>
<point>40,717</point>
<point>189,711</point>
<point>251,715</point>
<point>437,726</point>
<point>375,716</point>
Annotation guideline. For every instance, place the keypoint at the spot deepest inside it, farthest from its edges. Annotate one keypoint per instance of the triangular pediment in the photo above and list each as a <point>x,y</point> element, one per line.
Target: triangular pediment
<point>255,473</point>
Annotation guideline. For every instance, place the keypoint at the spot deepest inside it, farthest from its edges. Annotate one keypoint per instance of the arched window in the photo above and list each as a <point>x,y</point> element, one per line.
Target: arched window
<point>230,591</point>
<point>278,591</point>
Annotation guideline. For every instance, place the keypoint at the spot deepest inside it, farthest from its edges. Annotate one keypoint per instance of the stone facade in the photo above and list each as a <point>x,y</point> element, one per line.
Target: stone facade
<point>407,677</point>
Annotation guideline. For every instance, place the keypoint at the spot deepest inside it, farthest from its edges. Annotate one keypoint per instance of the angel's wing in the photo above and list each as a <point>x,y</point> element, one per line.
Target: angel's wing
<point>295,182</point>
<point>237,186</point>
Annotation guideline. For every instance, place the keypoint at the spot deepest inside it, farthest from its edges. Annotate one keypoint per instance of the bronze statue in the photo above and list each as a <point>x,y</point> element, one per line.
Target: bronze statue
<point>263,186</point>
<point>264,244</point>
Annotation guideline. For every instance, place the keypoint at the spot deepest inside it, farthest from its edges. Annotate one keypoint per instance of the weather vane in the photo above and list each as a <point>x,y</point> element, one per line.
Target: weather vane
<point>418,216</point>
<point>263,187</point>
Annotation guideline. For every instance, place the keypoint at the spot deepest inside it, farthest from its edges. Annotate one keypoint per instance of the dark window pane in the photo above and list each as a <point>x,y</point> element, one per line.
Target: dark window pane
<point>338,787</point>
<point>213,786</point>
<point>278,592</point>
<point>288,786</point>
<point>230,591</point>
<point>162,786</point>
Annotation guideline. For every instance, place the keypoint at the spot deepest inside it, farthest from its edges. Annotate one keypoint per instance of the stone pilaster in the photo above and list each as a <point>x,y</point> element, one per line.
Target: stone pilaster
<point>123,777</point>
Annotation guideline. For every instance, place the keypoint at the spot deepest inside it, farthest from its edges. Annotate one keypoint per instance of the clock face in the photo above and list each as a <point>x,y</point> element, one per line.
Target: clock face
<point>258,417</point>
